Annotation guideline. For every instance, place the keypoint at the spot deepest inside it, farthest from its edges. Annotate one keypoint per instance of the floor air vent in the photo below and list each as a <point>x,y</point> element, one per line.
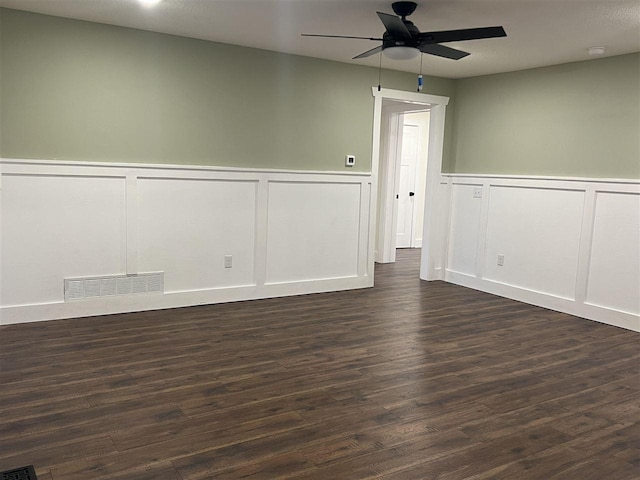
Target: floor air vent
<point>114,285</point>
<point>22,473</point>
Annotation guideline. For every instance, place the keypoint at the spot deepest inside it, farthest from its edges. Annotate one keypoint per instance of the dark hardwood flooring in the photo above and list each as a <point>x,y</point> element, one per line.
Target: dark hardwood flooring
<point>408,380</point>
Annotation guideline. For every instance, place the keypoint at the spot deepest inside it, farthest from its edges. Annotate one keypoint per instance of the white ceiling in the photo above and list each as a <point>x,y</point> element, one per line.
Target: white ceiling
<point>540,32</point>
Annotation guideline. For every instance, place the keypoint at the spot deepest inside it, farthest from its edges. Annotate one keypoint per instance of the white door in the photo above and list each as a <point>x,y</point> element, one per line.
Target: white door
<point>406,190</point>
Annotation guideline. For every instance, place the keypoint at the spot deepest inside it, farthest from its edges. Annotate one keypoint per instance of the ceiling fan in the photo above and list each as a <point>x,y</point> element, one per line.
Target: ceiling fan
<point>402,40</point>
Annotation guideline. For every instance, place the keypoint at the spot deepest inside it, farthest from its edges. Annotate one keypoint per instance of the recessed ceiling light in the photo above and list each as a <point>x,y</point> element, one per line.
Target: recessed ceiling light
<point>149,3</point>
<point>595,51</point>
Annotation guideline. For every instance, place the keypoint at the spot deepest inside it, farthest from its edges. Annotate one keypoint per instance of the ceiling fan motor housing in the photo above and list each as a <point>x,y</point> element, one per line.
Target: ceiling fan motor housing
<point>403,9</point>
<point>390,41</point>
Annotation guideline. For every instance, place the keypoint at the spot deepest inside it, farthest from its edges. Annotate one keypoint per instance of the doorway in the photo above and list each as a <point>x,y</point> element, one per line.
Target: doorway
<point>412,179</point>
<point>390,107</point>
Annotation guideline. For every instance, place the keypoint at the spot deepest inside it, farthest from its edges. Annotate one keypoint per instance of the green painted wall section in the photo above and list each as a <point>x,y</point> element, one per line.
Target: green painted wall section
<point>578,119</point>
<point>83,91</point>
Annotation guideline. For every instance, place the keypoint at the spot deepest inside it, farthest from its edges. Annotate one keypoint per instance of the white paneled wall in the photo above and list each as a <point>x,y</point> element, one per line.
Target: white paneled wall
<point>571,245</point>
<point>309,226</point>
<point>615,247</point>
<point>465,229</point>
<point>538,232</point>
<point>57,227</point>
<point>187,226</point>
<point>287,233</point>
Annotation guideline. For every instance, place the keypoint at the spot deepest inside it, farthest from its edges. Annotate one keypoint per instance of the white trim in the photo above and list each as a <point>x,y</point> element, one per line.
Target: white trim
<point>389,184</point>
<point>261,238</point>
<point>597,313</point>
<point>434,231</point>
<point>586,240</point>
<point>175,173</point>
<point>309,281</point>
<point>544,177</point>
<point>445,186</point>
<point>137,303</point>
<point>1,250</point>
<point>434,243</point>
<point>131,228</point>
<point>165,167</point>
<point>394,169</point>
<point>364,221</point>
<point>421,98</point>
<point>484,223</point>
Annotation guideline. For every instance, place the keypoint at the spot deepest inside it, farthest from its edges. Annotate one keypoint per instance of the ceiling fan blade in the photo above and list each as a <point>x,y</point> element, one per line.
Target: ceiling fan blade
<point>339,36</point>
<point>368,53</point>
<point>395,26</point>
<point>442,51</point>
<point>461,35</point>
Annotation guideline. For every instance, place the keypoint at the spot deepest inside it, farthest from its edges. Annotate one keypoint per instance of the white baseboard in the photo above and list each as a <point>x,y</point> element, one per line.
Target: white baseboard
<point>551,302</point>
<point>115,305</point>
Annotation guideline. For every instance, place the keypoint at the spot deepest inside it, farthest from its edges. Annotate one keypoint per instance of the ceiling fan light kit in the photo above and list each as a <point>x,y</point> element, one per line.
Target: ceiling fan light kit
<point>401,52</point>
<point>402,40</point>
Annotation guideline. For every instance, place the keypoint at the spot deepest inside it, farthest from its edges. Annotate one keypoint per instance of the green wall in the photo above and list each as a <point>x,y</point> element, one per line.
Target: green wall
<point>83,91</point>
<point>577,119</point>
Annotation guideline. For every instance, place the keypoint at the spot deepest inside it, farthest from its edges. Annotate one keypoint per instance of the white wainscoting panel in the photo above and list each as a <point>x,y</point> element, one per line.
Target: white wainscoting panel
<point>614,269</point>
<point>288,233</point>
<point>464,232</point>
<point>187,226</point>
<point>313,227</point>
<point>54,226</point>
<point>569,244</point>
<point>538,232</point>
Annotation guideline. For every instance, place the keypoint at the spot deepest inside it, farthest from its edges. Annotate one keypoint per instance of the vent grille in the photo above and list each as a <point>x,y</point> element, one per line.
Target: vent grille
<point>114,285</point>
<point>22,473</point>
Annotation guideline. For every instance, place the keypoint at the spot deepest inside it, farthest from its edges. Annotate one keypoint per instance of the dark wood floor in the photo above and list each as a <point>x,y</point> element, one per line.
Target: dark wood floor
<point>408,380</point>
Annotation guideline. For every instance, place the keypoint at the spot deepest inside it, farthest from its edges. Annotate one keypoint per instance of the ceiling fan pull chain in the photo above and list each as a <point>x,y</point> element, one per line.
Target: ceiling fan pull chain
<point>380,72</point>
<point>420,82</point>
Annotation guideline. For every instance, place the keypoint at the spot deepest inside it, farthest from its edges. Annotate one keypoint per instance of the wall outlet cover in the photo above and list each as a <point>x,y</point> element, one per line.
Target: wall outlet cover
<point>350,160</point>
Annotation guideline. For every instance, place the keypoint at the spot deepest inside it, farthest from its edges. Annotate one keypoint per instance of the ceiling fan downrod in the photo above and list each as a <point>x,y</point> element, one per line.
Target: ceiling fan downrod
<point>404,9</point>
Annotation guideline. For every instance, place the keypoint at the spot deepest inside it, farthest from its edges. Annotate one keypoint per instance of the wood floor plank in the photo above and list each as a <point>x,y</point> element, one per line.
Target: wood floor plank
<point>406,380</point>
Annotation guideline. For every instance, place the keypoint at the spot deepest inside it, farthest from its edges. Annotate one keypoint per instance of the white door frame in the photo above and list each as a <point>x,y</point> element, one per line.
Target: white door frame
<point>432,248</point>
<point>391,148</point>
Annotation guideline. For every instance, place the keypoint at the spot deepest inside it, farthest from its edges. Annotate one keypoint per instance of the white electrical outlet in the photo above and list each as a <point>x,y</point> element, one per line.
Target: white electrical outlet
<point>500,260</point>
<point>350,160</point>
<point>477,192</point>
<point>228,261</point>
